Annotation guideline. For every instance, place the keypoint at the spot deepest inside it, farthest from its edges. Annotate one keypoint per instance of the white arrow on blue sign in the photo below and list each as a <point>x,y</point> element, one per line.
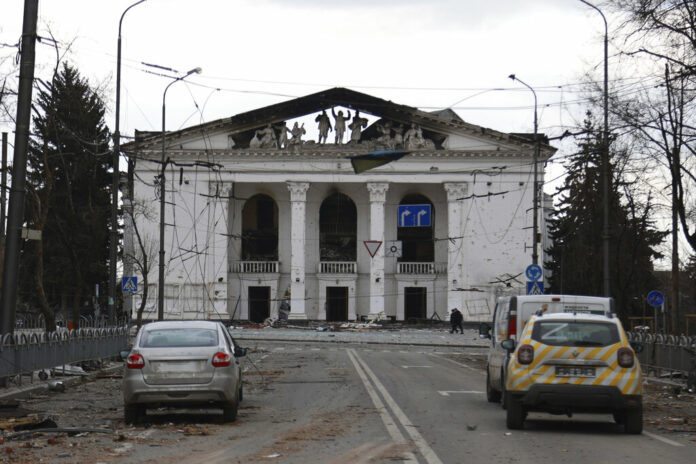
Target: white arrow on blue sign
<point>414,215</point>
<point>534,272</point>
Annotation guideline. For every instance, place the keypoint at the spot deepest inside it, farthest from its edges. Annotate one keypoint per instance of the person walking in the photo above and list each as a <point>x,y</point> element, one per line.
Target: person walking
<point>456,319</point>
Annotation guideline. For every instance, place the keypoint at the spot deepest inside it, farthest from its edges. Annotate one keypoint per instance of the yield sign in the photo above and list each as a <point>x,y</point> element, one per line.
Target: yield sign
<point>372,246</point>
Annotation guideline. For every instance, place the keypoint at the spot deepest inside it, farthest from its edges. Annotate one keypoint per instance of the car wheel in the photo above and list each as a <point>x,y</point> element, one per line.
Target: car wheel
<point>634,420</point>
<point>619,417</point>
<point>503,391</point>
<point>241,392</point>
<point>492,395</point>
<point>133,413</point>
<point>515,412</point>
<point>229,412</point>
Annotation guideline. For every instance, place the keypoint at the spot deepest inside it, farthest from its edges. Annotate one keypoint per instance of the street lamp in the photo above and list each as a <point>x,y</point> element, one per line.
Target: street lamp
<point>116,173</point>
<point>605,156</point>
<point>160,289</point>
<point>535,238</point>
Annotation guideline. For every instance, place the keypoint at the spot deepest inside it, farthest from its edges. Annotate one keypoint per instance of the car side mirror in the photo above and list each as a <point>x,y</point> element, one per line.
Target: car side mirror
<point>239,352</point>
<point>484,330</point>
<point>124,354</point>
<point>637,347</point>
<point>508,344</point>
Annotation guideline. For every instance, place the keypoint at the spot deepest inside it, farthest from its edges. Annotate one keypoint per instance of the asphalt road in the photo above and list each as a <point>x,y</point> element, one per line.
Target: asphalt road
<point>336,403</point>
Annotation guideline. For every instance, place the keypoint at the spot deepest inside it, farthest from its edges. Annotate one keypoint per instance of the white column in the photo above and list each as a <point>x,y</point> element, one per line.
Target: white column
<point>378,195</point>
<point>298,201</point>
<point>216,263</point>
<point>455,246</point>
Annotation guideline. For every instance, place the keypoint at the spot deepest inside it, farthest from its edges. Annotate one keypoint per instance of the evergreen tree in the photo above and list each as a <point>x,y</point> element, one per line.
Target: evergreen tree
<point>68,198</point>
<point>575,265</point>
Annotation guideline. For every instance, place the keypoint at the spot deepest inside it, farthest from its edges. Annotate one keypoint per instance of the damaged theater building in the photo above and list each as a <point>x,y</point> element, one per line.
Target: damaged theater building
<point>261,214</point>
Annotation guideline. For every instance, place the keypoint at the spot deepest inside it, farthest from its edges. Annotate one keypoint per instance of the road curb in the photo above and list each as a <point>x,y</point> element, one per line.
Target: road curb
<point>43,385</point>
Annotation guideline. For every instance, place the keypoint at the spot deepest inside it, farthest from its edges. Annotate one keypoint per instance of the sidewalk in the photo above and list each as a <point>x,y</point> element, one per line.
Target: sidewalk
<point>391,336</point>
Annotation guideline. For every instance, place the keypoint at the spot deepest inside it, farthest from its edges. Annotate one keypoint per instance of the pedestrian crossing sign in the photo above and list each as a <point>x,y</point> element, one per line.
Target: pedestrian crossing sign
<point>535,287</point>
<point>129,284</point>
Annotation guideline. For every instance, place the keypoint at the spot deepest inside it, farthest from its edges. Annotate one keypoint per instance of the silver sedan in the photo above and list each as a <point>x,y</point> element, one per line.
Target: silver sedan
<point>185,364</point>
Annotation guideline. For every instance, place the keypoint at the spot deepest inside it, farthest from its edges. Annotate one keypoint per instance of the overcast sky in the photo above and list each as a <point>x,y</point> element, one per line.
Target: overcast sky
<point>430,54</point>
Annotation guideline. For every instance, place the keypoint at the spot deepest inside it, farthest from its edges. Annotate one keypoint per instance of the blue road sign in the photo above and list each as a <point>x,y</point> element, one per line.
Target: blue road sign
<point>414,216</point>
<point>655,298</point>
<point>129,284</point>
<point>535,287</point>
<point>534,272</point>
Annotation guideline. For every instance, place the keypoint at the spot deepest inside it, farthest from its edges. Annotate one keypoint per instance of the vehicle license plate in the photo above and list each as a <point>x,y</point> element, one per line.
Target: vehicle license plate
<point>175,366</point>
<point>574,371</point>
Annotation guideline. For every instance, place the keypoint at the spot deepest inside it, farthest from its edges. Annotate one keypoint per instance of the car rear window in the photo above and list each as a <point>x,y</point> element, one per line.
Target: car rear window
<point>170,338</point>
<point>575,333</point>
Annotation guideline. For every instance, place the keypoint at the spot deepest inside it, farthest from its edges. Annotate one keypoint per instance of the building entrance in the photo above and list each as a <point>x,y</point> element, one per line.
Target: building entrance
<point>259,303</point>
<point>415,306</point>
<point>336,303</point>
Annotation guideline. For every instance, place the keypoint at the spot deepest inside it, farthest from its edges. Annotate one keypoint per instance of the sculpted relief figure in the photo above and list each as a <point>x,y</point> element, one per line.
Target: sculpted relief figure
<point>413,139</point>
<point>264,138</point>
<point>356,127</point>
<point>297,133</point>
<point>385,135</point>
<point>283,139</point>
<point>340,125</point>
<point>324,126</point>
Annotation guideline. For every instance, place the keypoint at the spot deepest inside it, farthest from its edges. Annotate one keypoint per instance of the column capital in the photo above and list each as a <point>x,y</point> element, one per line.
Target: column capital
<point>298,190</point>
<point>378,191</point>
<point>220,190</point>
<point>455,190</point>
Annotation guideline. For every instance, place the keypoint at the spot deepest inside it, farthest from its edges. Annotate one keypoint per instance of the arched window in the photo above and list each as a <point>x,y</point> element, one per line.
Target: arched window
<point>338,228</point>
<point>260,229</point>
<point>417,241</point>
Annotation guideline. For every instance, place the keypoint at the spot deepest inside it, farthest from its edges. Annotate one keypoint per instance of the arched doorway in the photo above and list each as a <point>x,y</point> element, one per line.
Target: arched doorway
<point>260,229</point>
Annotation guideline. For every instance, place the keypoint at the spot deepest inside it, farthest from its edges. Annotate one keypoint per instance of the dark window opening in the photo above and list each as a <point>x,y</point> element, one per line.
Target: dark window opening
<point>418,245</point>
<point>259,303</point>
<point>260,229</point>
<point>338,226</point>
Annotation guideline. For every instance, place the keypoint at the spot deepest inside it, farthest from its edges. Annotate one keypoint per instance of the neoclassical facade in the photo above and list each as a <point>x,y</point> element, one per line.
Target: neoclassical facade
<point>261,215</point>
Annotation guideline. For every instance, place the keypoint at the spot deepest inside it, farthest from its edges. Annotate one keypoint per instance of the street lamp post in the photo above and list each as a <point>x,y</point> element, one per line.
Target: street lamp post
<point>160,287</point>
<point>605,156</point>
<point>535,227</point>
<point>115,180</point>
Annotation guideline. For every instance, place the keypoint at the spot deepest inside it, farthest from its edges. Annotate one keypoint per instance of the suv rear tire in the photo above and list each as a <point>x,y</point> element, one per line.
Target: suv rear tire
<point>515,412</point>
<point>492,395</point>
<point>634,420</point>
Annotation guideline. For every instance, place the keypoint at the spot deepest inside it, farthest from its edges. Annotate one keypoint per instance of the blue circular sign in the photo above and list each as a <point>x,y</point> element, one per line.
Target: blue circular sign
<point>534,272</point>
<point>655,298</point>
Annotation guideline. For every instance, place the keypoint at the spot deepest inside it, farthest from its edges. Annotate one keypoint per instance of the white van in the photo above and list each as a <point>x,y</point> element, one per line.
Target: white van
<point>511,315</point>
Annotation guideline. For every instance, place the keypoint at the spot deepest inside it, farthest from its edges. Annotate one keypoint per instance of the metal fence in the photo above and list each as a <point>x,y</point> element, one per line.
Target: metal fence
<point>27,351</point>
<point>667,355</point>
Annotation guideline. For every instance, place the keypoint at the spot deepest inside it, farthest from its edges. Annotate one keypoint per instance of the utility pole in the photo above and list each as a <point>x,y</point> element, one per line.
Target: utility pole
<point>15,216</point>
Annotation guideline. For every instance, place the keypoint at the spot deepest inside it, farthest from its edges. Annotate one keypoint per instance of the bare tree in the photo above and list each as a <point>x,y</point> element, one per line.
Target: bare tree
<point>145,250</point>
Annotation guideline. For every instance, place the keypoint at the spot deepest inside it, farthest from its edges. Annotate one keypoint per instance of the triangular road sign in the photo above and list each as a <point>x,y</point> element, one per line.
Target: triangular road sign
<point>372,246</point>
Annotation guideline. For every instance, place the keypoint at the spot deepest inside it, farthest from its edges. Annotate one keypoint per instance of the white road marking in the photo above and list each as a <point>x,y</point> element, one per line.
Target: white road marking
<point>425,450</point>
<point>391,427</point>
<point>413,367</point>
<point>460,364</point>
<point>662,439</point>
<point>447,392</point>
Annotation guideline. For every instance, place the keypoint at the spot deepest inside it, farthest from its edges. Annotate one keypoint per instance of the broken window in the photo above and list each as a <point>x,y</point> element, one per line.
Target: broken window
<point>338,226</point>
<point>260,229</point>
<point>418,245</point>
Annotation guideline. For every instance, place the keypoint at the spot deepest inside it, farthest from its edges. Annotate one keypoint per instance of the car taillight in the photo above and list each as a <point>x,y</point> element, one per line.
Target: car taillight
<point>525,354</point>
<point>625,357</point>
<point>135,361</point>
<point>512,325</point>
<point>221,359</point>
